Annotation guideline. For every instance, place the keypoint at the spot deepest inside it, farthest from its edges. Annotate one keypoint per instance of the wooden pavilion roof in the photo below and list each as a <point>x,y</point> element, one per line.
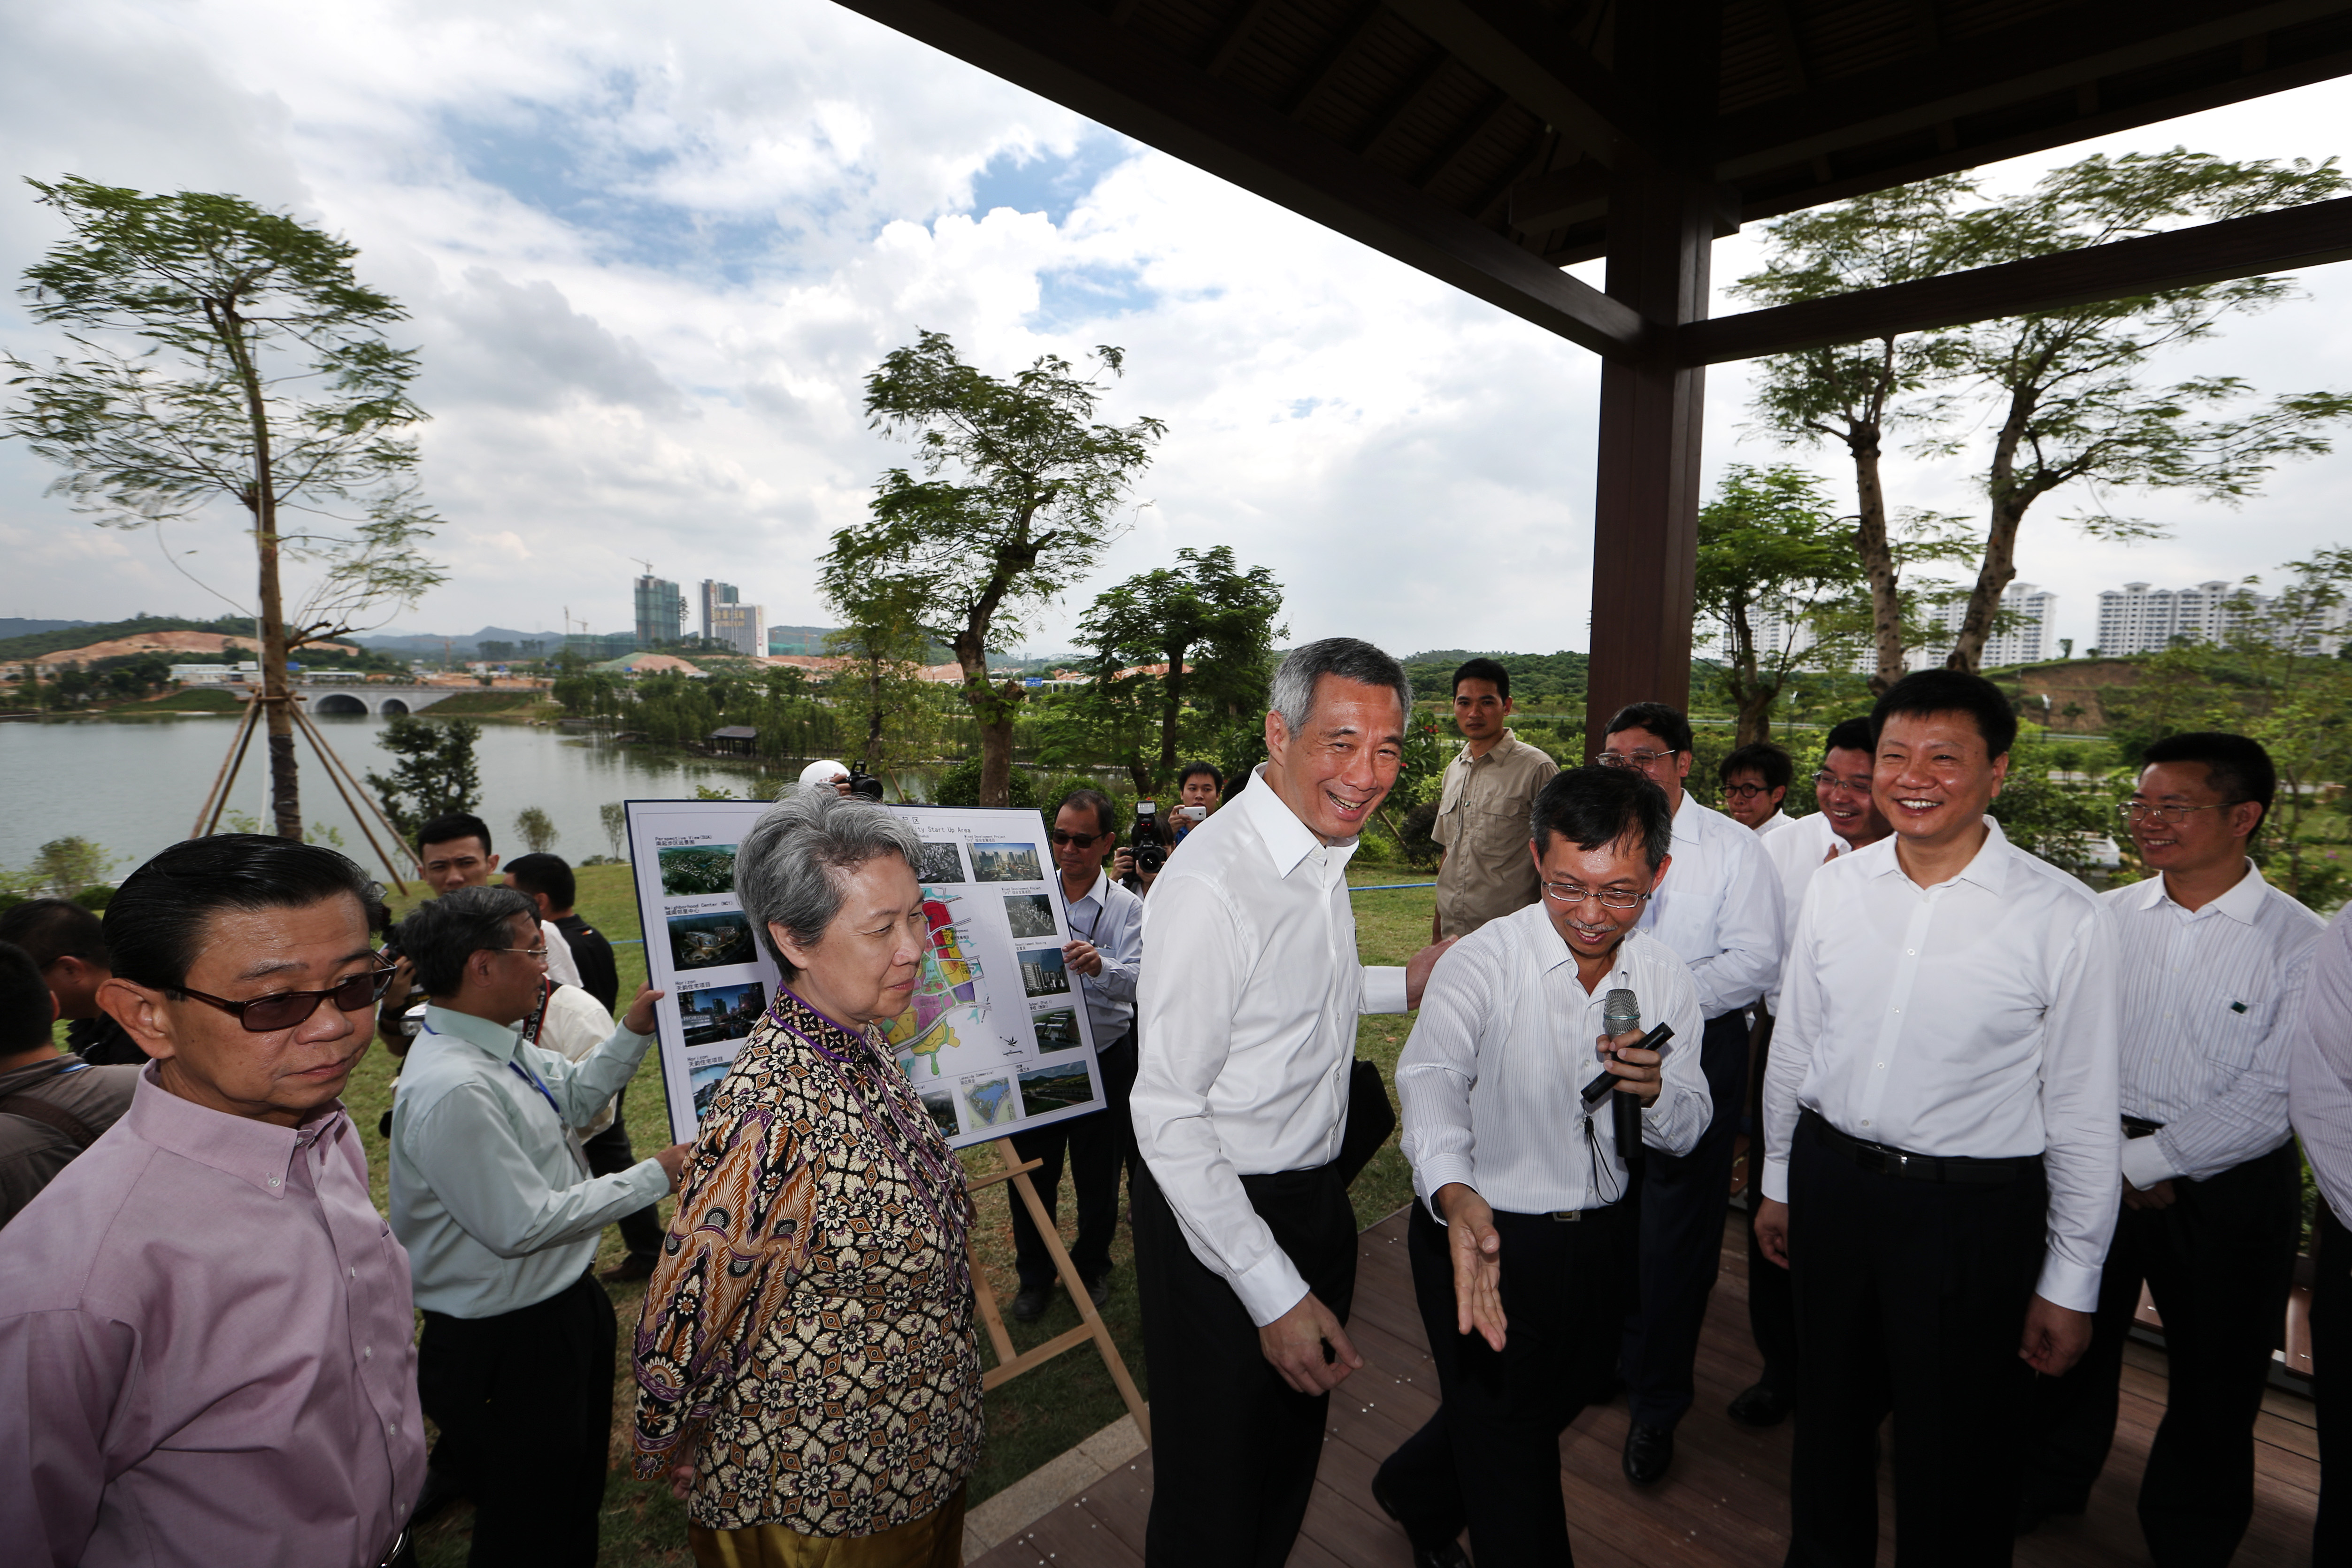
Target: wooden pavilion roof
<point>1479,140</point>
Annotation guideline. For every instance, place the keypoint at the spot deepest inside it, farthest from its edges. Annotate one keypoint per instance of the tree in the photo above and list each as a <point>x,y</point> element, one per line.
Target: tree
<point>1771,557</point>
<point>63,868</point>
<point>436,774</point>
<point>536,829</point>
<point>1211,625</point>
<point>883,640</point>
<point>615,816</point>
<point>261,375</point>
<point>1857,394</point>
<point>1031,499</point>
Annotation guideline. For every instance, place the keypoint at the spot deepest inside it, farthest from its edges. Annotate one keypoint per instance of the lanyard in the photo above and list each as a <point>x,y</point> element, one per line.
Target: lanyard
<point>532,1078</point>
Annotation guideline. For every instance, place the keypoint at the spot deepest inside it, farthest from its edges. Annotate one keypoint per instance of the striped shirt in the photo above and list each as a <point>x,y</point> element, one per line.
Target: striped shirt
<point>2210,1000</point>
<point>2319,1065</point>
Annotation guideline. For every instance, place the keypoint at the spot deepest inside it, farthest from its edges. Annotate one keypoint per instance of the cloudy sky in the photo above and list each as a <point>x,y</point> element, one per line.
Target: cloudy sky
<point>650,253</point>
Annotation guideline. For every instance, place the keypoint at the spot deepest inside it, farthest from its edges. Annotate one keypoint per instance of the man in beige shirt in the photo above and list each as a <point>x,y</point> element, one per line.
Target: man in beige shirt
<point>1482,817</point>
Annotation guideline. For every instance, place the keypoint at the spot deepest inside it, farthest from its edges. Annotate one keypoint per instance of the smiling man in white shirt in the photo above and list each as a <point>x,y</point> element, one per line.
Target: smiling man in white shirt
<point>1521,1243</point>
<point>2212,962</point>
<point>1245,1242</point>
<point>1719,913</point>
<point>1941,1140</point>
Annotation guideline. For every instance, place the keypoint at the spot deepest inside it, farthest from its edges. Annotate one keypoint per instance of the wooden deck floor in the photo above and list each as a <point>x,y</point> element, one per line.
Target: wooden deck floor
<point>1724,1502</point>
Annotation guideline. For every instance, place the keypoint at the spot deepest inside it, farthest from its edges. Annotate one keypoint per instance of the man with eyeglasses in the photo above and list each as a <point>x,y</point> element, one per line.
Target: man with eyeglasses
<point>204,1327</point>
<point>500,1217</point>
<point>1104,952</point>
<point>2212,962</point>
<point>1848,820</point>
<point>1941,1143</point>
<point>1719,913</point>
<point>1521,1242</point>
<point>1756,779</point>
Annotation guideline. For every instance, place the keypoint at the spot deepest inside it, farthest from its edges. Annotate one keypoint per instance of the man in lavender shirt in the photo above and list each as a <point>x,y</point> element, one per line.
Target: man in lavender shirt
<point>205,1326</point>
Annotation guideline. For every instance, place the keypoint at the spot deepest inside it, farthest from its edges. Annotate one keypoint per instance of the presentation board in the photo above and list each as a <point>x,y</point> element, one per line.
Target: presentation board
<point>997,1039</point>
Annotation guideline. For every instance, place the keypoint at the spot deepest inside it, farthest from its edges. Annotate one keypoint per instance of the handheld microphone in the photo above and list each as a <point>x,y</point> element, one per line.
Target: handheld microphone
<point>1621,1013</point>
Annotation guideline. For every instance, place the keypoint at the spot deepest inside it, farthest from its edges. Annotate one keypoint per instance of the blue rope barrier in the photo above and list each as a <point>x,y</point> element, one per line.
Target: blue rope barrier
<point>1390,886</point>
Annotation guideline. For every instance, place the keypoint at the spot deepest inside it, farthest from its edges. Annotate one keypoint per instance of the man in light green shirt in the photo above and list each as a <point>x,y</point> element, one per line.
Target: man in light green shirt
<point>501,1218</point>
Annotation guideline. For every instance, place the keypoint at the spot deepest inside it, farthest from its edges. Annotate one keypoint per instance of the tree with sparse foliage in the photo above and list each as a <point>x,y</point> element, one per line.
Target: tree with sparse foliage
<point>63,869</point>
<point>1213,627</point>
<point>259,372</point>
<point>436,774</point>
<point>1020,493</point>
<point>1771,549</point>
<point>536,829</point>
<point>883,640</point>
<point>615,816</point>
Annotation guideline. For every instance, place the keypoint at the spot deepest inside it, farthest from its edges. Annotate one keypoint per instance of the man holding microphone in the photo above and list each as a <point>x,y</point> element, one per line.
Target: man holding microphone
<point>1521,1245</point>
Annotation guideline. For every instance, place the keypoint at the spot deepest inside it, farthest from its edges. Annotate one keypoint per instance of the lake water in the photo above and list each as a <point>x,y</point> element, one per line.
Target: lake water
<point>133,785</point>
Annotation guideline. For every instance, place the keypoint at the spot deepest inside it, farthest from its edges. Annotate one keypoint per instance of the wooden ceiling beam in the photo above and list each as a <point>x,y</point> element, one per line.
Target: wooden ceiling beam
<point>1537,62</point>
<point>2308,236</point>
<point>1238,34</point>
<point>1489,115</point>
<point>1069,53</point>
<point>1334,57</point>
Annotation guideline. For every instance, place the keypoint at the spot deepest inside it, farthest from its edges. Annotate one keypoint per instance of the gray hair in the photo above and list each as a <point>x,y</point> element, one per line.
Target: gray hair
<point>790,867</point>
<point>440,936</point>
<point>1349,658</point>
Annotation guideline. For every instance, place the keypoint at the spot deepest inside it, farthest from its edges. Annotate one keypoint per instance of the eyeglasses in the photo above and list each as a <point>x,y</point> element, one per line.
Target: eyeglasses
<point>1611,897</point>
<point>1830,781</point>
<point>2133,810</point>
<point>1746,792</point>
<point>1058,840</point>
<point>285,1009</point>
<point>539,952</point>
<point>1633,759</point>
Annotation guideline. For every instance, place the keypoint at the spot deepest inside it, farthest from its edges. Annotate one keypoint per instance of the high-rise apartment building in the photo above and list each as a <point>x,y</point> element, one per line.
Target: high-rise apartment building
<point>716,596</point>
<point>743,627</point>
<point>661,611</point>
<point>1771,625</point>
<point>2028,641</point>
<point>2136,618</point>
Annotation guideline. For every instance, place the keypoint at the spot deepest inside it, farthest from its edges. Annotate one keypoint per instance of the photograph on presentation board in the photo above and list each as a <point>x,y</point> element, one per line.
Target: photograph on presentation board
<point>993,997</point>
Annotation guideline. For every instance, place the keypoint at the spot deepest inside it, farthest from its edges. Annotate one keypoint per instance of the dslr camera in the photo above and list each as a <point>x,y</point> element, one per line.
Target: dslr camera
<point>1151,848</point>
<point>864,784</point>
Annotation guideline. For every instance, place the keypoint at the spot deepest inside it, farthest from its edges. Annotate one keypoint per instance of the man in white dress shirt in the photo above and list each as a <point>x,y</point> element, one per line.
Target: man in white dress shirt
<point>2211,961</point>
<point>1520,1245</point>
<point>1719,913</point>
<point>1848,820</point>
<point>1941,1143</point>
<point>2319,1102</point>
<point>1245,1242</point>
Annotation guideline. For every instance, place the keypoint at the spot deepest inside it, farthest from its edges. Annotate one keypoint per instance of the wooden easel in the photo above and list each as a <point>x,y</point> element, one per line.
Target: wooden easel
<point>216,799</point>
<point>1010,1364</point>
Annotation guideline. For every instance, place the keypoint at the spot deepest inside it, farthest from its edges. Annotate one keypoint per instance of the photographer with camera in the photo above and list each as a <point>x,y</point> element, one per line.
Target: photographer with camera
<point>847,779</point>
<point>1139,864</point>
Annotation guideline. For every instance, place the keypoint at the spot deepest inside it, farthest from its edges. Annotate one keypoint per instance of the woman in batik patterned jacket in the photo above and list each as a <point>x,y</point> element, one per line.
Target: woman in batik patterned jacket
<point>806,1365</point>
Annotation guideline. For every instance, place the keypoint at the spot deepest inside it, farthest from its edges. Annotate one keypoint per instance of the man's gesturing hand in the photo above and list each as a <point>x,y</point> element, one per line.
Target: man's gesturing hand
<point>2055,1337</point>
<point>1416,969</point>
<point>1638,1071</point>
<point>640,1018</point>
<point>1477,1251</point>
<point>1294,1343</point>
<point>1772,1230</point>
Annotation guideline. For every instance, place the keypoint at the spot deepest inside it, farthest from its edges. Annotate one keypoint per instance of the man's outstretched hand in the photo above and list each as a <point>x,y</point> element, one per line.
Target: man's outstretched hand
<point>1476,1248</point>
<point>1294,1343</point>
<point>640,1018</point>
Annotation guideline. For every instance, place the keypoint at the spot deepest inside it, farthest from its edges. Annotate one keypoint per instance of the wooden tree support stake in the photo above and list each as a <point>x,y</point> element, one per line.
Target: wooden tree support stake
<point>208,815</point>
<point>1011,1364</point>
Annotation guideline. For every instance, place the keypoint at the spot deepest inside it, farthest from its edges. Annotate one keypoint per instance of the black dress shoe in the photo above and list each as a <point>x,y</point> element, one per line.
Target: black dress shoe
<point>1761,1406</point>
<point>1098,1288</point>
<point>1030,1304</point>
<point>1648,1451</point>
<point>1449,1555</point>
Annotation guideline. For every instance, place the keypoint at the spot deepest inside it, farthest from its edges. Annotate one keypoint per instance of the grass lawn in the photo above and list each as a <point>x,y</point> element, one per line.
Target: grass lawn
<point>1032,1419</point>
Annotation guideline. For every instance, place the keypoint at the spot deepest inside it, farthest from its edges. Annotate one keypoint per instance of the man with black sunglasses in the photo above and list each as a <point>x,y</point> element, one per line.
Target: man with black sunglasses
<point>1104,952</point>
<point>204,1326</point>
<point>501,1216</point>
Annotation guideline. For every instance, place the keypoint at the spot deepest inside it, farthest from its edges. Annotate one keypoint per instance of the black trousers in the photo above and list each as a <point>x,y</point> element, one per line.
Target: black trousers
<point>1100,1146</point>
<point>524,1400</point>
<point>2331,1365</point>
<point>1489,1458</point>
<point>1233,1448</point>
<point>607,1152</point>
<point>1682,1200</point>
<point>1771,1301</point>
<point>2218,1263</point>
<point>1911,1297</point>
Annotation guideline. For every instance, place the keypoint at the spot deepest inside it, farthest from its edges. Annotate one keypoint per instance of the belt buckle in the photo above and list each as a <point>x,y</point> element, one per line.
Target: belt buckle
<point>1871,1157</point>
<point>1567,1216</point>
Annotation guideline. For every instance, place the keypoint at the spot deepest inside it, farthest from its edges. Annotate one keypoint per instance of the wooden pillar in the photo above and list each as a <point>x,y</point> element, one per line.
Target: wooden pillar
<point>1646,506</point>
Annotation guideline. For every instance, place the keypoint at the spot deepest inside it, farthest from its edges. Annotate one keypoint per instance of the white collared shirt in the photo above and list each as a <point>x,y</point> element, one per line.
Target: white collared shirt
<point>1774,822</point>
<point>1808,844</point>
<point>1112,919</point>
<point>2319,1065</point>
<point>2210,1000</point>
<point>562,967</point>
<point>1490,1080</point>
<point>1719,909</point>
<point>1246,1028</point>
<point>1975,1018</point>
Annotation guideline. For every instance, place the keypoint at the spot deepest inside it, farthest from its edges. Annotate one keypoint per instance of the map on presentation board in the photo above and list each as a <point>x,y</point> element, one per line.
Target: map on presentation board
<point>997,1037</point>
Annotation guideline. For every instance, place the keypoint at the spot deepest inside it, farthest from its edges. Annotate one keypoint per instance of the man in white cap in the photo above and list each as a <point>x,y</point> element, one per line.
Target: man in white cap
<point>831,772</point>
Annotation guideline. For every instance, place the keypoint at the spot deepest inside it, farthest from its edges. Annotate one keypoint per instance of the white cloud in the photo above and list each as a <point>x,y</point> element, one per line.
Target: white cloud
<point>651,256</point>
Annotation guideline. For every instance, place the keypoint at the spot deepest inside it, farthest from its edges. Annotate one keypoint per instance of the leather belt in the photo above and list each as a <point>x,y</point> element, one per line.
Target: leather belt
<point>2141,1127</point>
<point>1888,1162</point>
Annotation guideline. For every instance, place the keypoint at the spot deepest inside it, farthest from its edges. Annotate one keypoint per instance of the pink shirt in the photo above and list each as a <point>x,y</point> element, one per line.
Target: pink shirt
<point>205,1351</point>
